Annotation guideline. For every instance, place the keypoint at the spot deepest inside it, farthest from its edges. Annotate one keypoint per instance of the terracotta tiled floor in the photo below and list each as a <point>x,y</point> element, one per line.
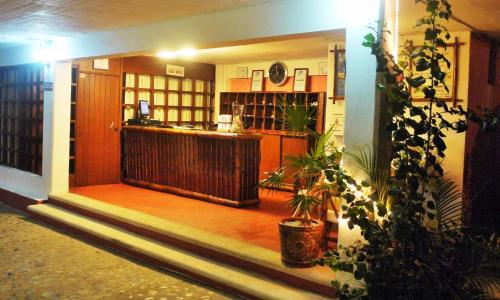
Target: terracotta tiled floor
<point>254,225</point>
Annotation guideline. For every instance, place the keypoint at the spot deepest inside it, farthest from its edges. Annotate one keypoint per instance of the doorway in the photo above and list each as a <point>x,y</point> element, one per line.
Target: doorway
<point>97,129</point>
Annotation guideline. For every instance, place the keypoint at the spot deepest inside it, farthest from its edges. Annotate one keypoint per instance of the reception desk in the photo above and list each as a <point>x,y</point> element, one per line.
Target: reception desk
<point>212,166</point>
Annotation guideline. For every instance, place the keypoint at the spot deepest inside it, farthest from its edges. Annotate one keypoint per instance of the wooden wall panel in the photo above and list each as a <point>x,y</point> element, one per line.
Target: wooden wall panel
<point>292,146</point>
<point>270,146</point>
<point>97,130</point>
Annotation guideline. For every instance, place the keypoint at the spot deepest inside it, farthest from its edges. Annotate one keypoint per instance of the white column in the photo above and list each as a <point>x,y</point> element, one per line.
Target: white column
<point>56,127</point>
<point>362,111</point>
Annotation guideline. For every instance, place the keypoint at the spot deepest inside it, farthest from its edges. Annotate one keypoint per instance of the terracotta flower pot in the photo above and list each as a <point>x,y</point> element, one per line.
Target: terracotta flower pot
<point>300,244</point>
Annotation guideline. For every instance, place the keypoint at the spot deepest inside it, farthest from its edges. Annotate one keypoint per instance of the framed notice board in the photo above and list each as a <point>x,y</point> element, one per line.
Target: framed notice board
<point>339,75</point>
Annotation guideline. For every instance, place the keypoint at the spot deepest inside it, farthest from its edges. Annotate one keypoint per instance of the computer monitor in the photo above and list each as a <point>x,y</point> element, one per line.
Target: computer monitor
<point>143,109</point>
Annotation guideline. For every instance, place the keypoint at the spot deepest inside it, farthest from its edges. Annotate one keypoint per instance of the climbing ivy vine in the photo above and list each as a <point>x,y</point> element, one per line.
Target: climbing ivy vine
<point>402,256</point>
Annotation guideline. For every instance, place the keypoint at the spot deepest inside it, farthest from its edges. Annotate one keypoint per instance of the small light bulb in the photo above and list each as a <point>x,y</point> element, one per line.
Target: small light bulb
<point>166,54</point>
<point>187,52</point>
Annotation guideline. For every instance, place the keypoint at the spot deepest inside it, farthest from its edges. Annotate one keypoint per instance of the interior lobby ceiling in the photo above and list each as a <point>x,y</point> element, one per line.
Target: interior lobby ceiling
<point>25,21</point>
<point>40,19</point>
<point>297,47</point>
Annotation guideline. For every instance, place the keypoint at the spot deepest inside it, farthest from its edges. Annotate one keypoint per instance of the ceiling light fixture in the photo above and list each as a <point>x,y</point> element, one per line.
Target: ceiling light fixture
<point>166,54</point>
<point>50,51</point>
<point>189,52</point>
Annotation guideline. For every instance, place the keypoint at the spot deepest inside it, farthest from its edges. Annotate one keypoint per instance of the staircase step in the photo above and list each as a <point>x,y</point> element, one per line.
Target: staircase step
<point>202,243</point>
<point>245,283</point>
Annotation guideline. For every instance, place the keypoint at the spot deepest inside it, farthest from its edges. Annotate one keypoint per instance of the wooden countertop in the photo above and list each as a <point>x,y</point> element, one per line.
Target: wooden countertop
<point>247,135</point>
<point>278,132</point>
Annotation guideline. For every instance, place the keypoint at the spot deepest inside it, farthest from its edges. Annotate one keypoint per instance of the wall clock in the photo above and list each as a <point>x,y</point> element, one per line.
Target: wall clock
<point>278,73</point>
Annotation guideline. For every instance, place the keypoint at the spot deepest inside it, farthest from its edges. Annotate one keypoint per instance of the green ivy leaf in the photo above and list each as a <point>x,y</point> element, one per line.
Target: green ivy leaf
<point>439,143</point>
<point>381,210</point>
<point>422,65</point>
<point>430,34</point>
<point>429,92</point>
<point>432,5</point>
<point>350,224</point>
<point>349,197</point>
<point>417,81</point>
<point>362,269</point>
<point>461,126</point>
<point>370,37</point>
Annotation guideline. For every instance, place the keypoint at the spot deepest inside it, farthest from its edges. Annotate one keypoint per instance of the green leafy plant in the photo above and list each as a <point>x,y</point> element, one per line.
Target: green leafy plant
<point>298,118</point>
<point>447,203</point>
<point>401,257</point>
<point>377,170</point>
<point>308,174</point>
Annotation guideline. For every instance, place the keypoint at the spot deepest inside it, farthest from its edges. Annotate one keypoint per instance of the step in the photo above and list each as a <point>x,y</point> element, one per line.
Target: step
<point>245,283</point>
<point>239,254</point>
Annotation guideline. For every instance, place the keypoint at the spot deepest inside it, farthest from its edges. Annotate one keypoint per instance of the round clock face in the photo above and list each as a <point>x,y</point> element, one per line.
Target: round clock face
<point>278,73</point>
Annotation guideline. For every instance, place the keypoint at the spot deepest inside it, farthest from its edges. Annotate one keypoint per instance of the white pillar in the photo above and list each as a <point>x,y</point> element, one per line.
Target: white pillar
<point>362,108</point>
<point>56,127</point>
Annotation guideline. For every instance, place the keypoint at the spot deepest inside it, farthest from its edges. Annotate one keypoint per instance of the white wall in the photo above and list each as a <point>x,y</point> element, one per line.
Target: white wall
<point>55,138</point>
<point>57,158</point>
<point>16,56</point>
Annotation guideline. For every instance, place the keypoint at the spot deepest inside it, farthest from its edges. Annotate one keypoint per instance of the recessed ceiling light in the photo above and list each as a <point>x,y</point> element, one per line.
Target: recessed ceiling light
<point>187,52</point>
<point>166,54</point>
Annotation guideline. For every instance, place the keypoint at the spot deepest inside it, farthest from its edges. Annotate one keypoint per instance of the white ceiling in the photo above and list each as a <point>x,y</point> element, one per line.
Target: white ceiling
<point>296,47</point>
<point>26,21</point>
<point>40,19</point>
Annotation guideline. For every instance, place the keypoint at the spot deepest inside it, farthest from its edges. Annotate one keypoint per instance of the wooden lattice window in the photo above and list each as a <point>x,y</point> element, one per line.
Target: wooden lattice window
<point>172,100</point>
<point>21,117</point>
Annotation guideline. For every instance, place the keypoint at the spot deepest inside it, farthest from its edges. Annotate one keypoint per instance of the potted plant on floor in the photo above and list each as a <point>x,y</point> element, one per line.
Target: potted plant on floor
<point>300,235</point>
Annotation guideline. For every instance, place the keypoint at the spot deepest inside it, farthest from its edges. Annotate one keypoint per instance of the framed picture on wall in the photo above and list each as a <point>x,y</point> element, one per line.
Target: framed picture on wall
<point>339,74</point>
<point>441,92</point>
<point>323,68</point>
<point>242,72</point>
<point>175,70</point>
<point>257,81</point>
<point>300,79</point>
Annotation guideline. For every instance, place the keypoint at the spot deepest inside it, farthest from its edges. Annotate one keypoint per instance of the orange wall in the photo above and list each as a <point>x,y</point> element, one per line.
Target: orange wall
<point>316,83</point>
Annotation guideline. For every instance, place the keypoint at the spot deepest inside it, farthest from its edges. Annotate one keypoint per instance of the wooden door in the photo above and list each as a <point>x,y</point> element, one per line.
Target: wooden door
<point>97,130</point>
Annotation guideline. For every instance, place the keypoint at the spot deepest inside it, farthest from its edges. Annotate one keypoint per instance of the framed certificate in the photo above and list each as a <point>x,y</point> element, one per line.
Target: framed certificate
<point>339,74</point>
<point>175,70</point>
<point>257,81</point>
<point>242,72</point>
<point>323,68</point>
<point>300,79</point>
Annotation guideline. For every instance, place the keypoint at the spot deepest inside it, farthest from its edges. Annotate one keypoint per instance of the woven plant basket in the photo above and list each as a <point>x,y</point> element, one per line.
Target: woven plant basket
<point>300,245</point>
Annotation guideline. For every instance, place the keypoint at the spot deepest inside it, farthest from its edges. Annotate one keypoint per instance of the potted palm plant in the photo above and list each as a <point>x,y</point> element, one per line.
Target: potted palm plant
<point>300,235</point>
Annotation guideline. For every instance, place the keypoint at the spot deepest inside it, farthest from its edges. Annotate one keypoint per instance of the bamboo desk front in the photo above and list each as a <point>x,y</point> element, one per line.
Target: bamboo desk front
<point>212,166</point>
